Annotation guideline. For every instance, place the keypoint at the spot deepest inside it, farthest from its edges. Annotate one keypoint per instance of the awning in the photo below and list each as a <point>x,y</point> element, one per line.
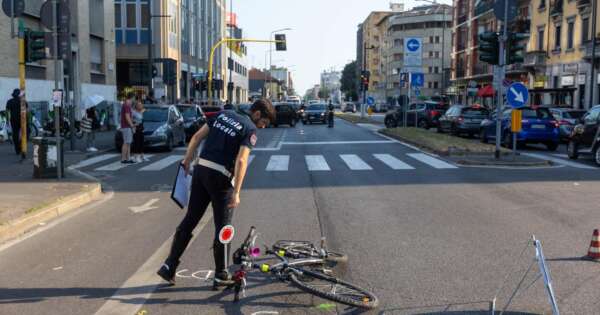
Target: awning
<point>486,91</point>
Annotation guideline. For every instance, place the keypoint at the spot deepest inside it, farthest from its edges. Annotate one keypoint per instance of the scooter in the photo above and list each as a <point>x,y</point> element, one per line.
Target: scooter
<point>65,129</point>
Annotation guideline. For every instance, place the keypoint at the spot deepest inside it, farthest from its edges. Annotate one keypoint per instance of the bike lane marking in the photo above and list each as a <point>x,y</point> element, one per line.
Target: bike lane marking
<point>134,292</point>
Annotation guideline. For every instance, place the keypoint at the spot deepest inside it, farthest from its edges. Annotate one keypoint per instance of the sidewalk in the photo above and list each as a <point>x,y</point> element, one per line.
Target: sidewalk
<point>26,202</point>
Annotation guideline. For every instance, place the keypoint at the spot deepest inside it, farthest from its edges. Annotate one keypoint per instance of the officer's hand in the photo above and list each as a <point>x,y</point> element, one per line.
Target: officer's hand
<point>235,201</point>
<point>186,165</point>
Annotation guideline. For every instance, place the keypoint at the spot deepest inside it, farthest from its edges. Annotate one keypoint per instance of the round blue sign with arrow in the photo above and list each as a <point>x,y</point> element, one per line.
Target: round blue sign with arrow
<point>370,101</point>
<point>413,45</point>
<point>517,95</point>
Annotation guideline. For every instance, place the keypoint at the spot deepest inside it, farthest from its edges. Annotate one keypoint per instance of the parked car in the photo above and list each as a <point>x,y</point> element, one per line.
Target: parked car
<point>567,119</point>
<point>460,119</point>
<point>285,115</point>
<point>426,113</point>
<point>163,127</point>
<point>211,111</point>
<point>315,113</point>
<point>443,101</point>
<point>193,119</point>
<point>539,126</point>
<point>245,108</point>
<point>349,107</point>
<point>585,138</point>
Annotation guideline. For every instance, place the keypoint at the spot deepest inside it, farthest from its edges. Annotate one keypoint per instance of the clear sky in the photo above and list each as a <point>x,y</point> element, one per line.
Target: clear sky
<point>323,34</point>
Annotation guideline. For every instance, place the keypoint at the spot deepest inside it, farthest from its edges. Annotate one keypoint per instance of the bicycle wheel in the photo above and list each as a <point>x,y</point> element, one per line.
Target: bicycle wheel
<point>304,249</point>
<point>333,289</point>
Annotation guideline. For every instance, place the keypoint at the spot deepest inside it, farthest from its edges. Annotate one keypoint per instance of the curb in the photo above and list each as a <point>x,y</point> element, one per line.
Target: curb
<point>13,229</point>
<point>541,163</point>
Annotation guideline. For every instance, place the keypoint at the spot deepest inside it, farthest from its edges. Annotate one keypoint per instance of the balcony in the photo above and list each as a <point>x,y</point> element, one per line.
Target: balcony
<point>583,3</point>
<point>535,59</point>
<point>557,8</point>
<point>588,49</point>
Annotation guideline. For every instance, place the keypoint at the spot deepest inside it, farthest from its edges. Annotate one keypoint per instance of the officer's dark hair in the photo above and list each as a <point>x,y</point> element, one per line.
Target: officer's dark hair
<point>265,107</point>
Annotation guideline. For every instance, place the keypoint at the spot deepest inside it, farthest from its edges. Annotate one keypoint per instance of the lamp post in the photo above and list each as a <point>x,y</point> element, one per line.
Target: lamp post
<point>443,85</point>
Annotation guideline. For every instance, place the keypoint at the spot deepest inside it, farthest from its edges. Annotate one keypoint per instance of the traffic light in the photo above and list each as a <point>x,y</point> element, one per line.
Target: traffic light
<point>281,44</point>
<point>203,85</point>
<point>489,47</point>
<point>364,79</point>
<point>35,45</point>
<point>515,48</point>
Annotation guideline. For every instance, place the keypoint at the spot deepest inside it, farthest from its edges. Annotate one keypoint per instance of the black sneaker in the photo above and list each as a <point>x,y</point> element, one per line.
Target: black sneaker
<point>222,279</point>
<point>167,273</point>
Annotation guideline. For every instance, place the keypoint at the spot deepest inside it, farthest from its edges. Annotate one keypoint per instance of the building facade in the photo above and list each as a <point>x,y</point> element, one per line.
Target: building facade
<point>370,50</point>
<point>331,82</point>
<point>92,56</point>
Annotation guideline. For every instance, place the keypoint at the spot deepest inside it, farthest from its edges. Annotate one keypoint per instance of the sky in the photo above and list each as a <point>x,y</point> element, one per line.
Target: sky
<point>323,35</point>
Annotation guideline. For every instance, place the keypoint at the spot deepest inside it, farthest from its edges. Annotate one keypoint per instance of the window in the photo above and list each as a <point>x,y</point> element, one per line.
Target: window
<point>96,51</point>
<point>431,39</point>
<point>397,57</point>
<point>435,85</point>
<point>570,27</point>
<point>557,33</point>
<point>429,85</point>
<point>131,20</point>
<point>436,70</point>
<point>437,54</point>
<point>398,42</point>
<point>542,4</point>
<point>118,15</point>
<point>145,15</point>
<point>431,54</point>
<point>437,39</point>
<point>592,117</point>
<point>585,27</point>
<point>540,39</point>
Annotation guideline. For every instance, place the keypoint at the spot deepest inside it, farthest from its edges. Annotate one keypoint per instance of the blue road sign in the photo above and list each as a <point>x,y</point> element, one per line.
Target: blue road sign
<point>417,79</point>
<point>417,92</point>
<point>517,95</point>
<point>413,45</point>
<point>370,100</point>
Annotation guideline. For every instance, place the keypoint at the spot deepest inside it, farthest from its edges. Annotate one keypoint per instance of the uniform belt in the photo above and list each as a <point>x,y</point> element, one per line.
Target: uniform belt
<point>214,166</point>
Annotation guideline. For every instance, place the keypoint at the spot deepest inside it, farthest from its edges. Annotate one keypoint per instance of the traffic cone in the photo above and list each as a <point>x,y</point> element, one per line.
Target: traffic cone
<point>594,251</point>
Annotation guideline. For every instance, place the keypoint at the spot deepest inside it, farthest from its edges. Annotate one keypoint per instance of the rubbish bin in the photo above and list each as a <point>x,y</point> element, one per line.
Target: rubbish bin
<point>45,156</point>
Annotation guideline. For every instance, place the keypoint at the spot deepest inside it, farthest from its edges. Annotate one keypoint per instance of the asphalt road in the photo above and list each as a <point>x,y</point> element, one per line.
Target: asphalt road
<point>424,235</point>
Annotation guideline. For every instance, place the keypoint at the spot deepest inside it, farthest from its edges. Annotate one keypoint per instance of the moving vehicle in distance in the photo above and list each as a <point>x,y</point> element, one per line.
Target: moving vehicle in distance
<point>585,138</point>
<point>567,119</point>
<point>315,113</point>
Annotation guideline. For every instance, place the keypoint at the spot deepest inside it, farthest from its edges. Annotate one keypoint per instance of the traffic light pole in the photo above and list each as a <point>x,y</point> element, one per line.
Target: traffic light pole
<point>23,102</point>
<point>56,86</point>
<point>499,78</point>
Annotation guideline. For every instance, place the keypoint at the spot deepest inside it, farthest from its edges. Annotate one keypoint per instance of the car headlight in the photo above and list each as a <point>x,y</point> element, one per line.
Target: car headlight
<point>161,131</point>
<point>578,129</point>
<point>322,114</point>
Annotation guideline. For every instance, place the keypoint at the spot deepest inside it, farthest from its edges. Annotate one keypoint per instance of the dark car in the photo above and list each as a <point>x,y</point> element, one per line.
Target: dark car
<point>585,138</point>
<point>567,119</point>
<point>285,115</point>
<point>193,119</point>
<point>538,126</point>
<point>425,115</point>
<point>163,127</point>
<point>315,113</point>
<point>460,119</point>
<point>244,108</point>
<point>349,107</point>
<point>210,111</point>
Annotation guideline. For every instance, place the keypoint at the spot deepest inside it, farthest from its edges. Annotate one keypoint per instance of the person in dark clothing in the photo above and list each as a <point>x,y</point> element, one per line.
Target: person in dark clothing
<point>330,115</point>
<point>13,108</point>
<point>228,106</point>
<point>230,137</point>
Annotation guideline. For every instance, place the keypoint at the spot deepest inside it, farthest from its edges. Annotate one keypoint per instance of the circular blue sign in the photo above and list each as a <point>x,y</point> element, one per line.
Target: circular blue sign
<point>370,100</point>
<point>517,95</point>
<point>413,45</point>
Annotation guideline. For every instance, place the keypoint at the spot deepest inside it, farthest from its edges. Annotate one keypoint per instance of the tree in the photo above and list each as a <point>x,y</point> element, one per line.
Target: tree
<point>350,81</point>
<point>324,93</point>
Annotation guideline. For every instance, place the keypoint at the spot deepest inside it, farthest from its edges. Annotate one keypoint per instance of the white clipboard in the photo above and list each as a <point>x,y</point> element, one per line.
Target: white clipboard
<point>181,188</point>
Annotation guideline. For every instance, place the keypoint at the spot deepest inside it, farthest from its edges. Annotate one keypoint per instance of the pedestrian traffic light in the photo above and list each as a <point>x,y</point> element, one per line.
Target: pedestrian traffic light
<point>515,48</point>
<point>489,48</point>
<point>281,44</point>
<point>35,45</point>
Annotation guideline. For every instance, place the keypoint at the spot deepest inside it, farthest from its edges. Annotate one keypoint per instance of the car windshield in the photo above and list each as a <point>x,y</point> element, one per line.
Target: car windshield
<point>156,115</point>
<point>475,112</point>
<point>540,113</point>
<point>576,114</point>
<point>187,112</point>
<point>316,107</point>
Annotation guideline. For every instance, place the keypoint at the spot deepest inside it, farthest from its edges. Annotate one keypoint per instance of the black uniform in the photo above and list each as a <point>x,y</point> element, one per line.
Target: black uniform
<point>228,132</point>
<point>13,106</point>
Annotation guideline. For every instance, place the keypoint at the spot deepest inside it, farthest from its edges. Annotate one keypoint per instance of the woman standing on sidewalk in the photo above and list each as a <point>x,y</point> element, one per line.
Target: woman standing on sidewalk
<point>138,136</point>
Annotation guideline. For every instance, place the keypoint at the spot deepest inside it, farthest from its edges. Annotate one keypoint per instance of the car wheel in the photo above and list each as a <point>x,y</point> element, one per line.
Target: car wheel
<point>552,146</point>
<point>597,155</point>
<point>507,140</point>
<point>293,123</point>
<point>572,150</point>
<point>390,122</point>
<point>454,131</point>
<point>423,124</point>
<point>483,136</point>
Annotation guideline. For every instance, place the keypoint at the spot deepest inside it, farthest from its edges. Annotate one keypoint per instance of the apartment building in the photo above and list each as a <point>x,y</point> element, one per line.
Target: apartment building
<point>237,64</point>
<point>370,48</point>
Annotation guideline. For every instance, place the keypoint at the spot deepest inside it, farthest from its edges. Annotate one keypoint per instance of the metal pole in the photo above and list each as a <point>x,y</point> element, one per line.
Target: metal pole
<point>443,51</point>
<point>150,57</point>
<point>230,91</point>
<point>593,86</point>
<point>12,19</point>
<point>364,88</point>
<point>57,109</point>
<point>23,103</point>
<point>408,101</point>
<point>188,78</point>
<point>499,80</point>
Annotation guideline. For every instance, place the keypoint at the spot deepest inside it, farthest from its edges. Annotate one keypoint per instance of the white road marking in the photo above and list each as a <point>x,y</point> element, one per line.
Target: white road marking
<point>145,276</point>
<point>559,161</point>
<point>316,163</point>
<point>117,165</point>
<point>355,163</point>
<point>162,164</point>
<point>339,142</point>
<point>393,162</point>
<point>94,160</point>
<point>278,163</point>
<point>564,156</point>
<point>145,207</point>
<point>250,159</point>
<point>431,161</point>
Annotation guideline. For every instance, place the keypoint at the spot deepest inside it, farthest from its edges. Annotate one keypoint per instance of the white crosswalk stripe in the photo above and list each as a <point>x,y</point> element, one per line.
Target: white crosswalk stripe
<point>162,164</point>
<point>278,163</point>
<point>559,161</point>
<point>94,160</point>
<point>355,163</point>
<point>431,161</point>
<point>250,159</point>
<point>393,162</point>
<point>316,163</point>
<point>115,166</point>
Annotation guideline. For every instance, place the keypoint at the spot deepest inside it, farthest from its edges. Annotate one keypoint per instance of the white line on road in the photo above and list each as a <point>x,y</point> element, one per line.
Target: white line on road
<point>278,163</point>
<point>149,205</point>
<point>355,163</point>
<point>431,161</point>
<point>316,163</point>
<point>558,161</point>
<point>250,159</point>
<point>139,287</point>
<point>339,142</point>
<point>161,164</point>
<point>564,156</point>
<point>117,165</point>
<point>94,160</point>
<point>393,162</point>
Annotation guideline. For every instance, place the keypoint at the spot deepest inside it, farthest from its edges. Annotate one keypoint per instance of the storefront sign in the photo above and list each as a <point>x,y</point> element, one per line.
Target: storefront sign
<point>539,81</point>
<point>570,68</point>
<point>581,79</point>
<point>567,80</point>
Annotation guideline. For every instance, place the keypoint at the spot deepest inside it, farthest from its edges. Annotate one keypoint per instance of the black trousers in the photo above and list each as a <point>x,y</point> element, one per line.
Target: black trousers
<point>138,140</point>
<point>16,136</point>
<point>208,186</point>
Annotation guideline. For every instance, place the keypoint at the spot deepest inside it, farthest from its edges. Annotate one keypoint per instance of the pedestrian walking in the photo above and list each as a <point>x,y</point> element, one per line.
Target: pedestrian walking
<point>13,108</point>
<point>230,137</point>
<point>138,136</point>
<point>127,128</point>
<point>87,127</point>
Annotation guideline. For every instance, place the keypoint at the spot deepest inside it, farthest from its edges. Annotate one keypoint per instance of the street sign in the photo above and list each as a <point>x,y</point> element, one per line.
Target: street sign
<point>517,95</point>
<point>226,234</point>
<point>417,92</point>
<point>18,7</point>
<point>499,9</point>
<point>417,79</point>
<point>370,100</point>
<point>516,124</point>
<point>413,52</point>
<point>64,15</point>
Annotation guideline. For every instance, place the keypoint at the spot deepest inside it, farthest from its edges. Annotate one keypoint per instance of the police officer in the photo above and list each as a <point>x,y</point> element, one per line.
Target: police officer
<point>330,115</point>
<point>229,138</point>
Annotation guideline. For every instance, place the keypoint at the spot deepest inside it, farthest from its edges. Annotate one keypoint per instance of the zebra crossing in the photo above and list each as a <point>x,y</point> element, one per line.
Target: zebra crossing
<point>283,163</point>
